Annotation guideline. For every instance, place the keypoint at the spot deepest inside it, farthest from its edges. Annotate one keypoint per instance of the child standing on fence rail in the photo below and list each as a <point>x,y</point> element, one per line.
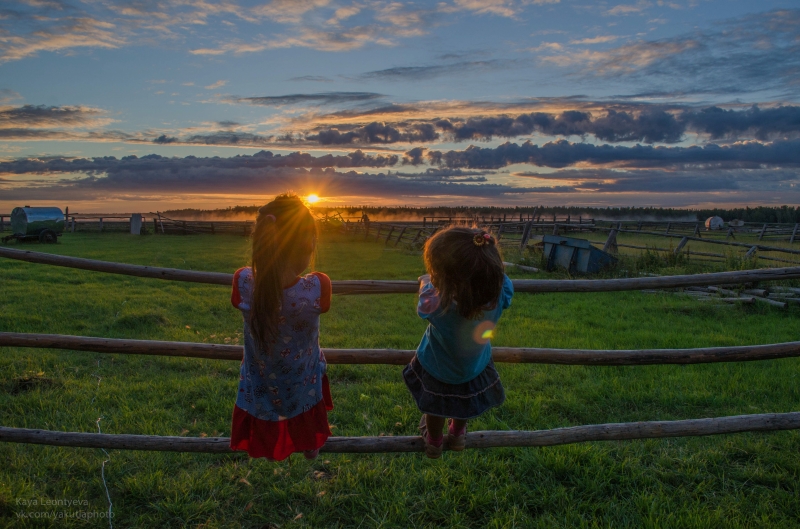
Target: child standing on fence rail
<point>283,398</point>
<point>462,297</point>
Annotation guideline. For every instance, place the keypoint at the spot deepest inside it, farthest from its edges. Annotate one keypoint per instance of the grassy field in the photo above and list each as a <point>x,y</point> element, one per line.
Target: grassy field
<point>743,480</point>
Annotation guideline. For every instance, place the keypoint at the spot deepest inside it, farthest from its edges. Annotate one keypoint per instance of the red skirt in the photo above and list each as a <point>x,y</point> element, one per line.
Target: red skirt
<point>277,440</point>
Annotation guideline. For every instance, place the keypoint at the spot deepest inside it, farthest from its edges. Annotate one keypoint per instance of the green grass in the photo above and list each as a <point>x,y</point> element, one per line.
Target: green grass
<point>743,480</point>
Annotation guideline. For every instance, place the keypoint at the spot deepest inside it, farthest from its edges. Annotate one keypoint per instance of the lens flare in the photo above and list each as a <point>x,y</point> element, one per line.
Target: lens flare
<point>483,332</point>
<point>312,199</point>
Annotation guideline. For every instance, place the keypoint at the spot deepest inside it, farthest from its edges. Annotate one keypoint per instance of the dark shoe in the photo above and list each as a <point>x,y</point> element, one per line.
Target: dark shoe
<point>433,449</point>
<point>456,441</point>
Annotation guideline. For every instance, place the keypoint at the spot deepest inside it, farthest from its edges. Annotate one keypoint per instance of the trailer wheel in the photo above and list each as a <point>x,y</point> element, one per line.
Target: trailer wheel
<point>48,237</point>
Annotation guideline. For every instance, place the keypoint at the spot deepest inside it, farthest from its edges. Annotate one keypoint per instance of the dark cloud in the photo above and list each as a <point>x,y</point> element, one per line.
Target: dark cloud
<point>563,154</point>
<point>225,137</point>
<point>323,98</point>
<point>376,133</point>
<point>36,116</point>
<point>164,139</point>
<point>154,179</point>
<point>616,123</point>
<point>312,78</point>
<point>111,165</point>
<point>414,156</point>
<point>783,121</point>
<point>417,73</point>
<point>671,182</point>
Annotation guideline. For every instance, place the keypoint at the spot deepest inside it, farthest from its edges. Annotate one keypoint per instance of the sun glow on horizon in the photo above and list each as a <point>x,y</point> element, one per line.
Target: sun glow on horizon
<point>312,199</point>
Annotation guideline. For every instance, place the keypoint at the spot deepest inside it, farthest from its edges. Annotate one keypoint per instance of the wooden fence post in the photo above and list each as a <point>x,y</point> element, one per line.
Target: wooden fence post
<point>2,224</point>
<point>389,235</point>
<point>611,243</point>
<point>681,245</point>
<point>730,233</point>
<point>526,234</point>
<point>101,224</point>
<point>794,233</point>
<point>400,236</point>
<point>751,252</point>
<point>763,230</point>
<point>669,225</point>
<point>212,229</point>
<point>160,222</point>
<point>417,236</point>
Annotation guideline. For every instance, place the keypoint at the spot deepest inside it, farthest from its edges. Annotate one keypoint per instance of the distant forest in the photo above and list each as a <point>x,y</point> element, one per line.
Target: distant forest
<point>787,214</point>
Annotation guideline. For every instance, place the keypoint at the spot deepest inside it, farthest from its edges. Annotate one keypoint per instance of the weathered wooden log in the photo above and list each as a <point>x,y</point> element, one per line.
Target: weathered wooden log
<point>766,422</point>
<point>596,357</point>
<point>761,300</point>
<point>521,267</point>
<point>406,287</point>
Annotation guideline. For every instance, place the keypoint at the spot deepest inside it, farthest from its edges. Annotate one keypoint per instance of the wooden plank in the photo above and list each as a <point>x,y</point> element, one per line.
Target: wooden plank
<point>794,233</point>
<point>765,422</point>
<point>514,355</point>
<point>763,230</point>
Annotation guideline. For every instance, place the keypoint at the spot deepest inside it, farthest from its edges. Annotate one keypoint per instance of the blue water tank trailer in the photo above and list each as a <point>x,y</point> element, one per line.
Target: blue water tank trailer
<point>45,224</point>
<point>576,255</point>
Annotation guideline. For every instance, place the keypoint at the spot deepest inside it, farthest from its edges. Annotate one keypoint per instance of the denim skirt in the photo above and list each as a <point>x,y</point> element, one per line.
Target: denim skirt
<point>456,401</point>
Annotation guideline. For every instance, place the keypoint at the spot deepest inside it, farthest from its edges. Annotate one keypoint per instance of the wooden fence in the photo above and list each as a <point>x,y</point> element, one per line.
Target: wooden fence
<point>486,439</point>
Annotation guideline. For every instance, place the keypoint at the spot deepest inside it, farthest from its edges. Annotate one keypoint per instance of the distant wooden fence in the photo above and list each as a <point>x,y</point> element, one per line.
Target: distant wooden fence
<point>488,439</point>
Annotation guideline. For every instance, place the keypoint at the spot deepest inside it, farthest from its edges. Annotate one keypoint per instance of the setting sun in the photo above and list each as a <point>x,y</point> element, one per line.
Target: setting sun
<point>312,199</point>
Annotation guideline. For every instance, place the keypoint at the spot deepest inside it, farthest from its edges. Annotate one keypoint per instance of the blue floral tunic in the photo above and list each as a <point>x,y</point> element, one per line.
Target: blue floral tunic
<point>286,380</point>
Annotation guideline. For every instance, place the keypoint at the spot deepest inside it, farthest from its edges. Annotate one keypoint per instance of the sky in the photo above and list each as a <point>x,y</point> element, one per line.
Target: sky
<point>124,106</point>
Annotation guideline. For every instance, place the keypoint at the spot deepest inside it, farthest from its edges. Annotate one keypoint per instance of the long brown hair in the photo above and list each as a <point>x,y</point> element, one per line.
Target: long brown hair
<point>285,235</point>
<point>466,267</point>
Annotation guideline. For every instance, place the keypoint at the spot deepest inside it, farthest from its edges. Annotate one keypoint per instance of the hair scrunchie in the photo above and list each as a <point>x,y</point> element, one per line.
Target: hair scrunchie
<point>481,239</point>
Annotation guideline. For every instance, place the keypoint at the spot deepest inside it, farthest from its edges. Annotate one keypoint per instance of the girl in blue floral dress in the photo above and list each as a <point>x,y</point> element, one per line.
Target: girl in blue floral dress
<point>284,397</point>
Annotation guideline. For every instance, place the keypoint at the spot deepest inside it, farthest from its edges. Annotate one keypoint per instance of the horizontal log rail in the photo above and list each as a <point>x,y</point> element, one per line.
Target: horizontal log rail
<point>407,287</point>
<point>760,247</point>
<point>766,422</point>
<point>590,357</point>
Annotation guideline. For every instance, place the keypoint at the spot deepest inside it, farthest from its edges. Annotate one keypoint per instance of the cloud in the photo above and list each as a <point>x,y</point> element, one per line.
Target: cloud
<point>39,116</point>
<point>598,180</point>
<point>770,123</point>
<point>416,73</point>
<point>628,9</point>
<point>755,53</point>
<point>7,96</point>
<point>606,121</point>
<point>59,34</point>
<point>323,98</point>
<point>218,84</point>
<point>153,162</point>
<point>376,133</point>
<point>564,154</point>
<point>503,8</point>
<point>602,39</point>
<point>313,79</point>
<point>154,175</point>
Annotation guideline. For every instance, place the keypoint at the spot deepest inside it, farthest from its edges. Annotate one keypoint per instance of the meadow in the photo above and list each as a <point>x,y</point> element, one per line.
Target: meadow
<point>742,480</point>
